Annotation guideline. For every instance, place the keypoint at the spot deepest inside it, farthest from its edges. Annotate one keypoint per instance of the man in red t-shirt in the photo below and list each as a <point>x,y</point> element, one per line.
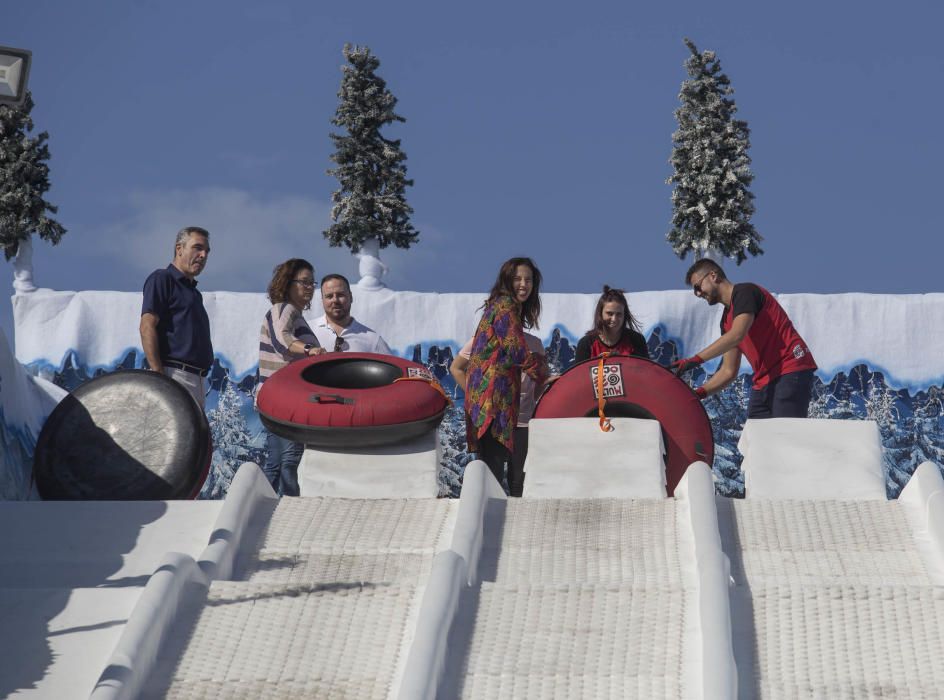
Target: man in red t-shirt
<point>756,325</point>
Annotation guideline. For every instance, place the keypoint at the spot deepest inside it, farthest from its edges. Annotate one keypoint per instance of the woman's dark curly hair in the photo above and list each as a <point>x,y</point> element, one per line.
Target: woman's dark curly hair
<point>282,276</point>
<point>505,286</point>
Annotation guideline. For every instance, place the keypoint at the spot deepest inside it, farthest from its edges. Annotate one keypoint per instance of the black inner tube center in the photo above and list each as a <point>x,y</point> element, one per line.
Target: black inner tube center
<point>628,409</point>
<point>622,409</point>
<point>352,373</point>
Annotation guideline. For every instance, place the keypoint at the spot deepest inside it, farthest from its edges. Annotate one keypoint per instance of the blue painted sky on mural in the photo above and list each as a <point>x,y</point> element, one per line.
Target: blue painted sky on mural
<point>542,132</point>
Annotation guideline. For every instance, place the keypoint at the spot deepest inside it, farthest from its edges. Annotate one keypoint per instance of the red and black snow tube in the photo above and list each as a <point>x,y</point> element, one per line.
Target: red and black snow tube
<point>125,436</point>
<point>351,399</point>
<point>637,388</point>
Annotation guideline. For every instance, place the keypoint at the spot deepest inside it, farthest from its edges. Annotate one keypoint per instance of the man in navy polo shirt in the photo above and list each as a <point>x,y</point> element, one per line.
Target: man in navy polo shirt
<point>753,323</point>
<point>175,328</point>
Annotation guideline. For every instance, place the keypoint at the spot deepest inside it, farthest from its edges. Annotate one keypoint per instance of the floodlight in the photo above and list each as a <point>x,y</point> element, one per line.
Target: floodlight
<point>14,72</point>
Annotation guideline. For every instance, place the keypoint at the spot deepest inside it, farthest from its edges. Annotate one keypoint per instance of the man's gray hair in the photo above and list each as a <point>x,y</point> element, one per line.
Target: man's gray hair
<point>184,233</point>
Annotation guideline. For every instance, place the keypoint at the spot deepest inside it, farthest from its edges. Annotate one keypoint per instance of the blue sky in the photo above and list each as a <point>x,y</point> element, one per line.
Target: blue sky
<point>544,132</point>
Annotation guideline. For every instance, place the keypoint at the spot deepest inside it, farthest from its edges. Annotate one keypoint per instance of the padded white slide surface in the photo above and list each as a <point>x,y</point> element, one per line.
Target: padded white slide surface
<point>576,641</point>
<point>832,600</point>
<point>300,641</point>
<point>848,542</point>
<point>333,539</point>
<point>606,541</point>
<point>492,597</point>
<point>848,641</point>
<point>579,599</point>
<point>325,611</point>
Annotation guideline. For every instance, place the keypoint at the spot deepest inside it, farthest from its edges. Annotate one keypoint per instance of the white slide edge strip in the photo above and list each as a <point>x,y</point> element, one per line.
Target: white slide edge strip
<point>696,493</point>
<point>453,570</point>
<point>427,654</point>
<point>249,491</point>
<point>135,655</point>
<point>478,487</point>
<point>923,501</point>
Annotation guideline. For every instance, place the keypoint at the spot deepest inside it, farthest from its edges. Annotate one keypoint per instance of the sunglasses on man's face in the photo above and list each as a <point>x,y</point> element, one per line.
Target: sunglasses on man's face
<point>696,286</point>
<point>338,343</point>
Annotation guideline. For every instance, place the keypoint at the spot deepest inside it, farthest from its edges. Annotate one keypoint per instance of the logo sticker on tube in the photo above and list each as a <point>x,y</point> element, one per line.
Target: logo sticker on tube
<point>612,381</point>
<point>419,373</point>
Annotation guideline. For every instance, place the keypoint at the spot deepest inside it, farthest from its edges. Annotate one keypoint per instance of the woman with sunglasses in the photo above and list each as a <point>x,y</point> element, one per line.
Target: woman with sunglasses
<point>498,357</point>
<point>615,329</point>
<point>284,338</point>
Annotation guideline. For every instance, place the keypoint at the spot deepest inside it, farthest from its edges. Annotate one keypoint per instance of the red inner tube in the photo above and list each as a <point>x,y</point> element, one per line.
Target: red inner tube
<point>354,391</point>
<point>639,389</point>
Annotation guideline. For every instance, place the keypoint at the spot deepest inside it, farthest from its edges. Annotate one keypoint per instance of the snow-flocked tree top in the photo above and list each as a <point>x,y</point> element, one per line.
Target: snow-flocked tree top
<point>711,201</point>
<point>371,201</point>
<point>24,179</point>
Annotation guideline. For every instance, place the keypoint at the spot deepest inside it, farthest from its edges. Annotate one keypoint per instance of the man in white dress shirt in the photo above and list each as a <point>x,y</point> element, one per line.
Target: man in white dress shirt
<point>337,330</point>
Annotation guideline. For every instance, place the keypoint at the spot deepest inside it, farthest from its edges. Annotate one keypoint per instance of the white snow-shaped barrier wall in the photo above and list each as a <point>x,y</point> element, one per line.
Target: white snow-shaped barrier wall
<point>872,350</point>
<point>25,401</point>
<point>797,458</point>
<point>574,458</point>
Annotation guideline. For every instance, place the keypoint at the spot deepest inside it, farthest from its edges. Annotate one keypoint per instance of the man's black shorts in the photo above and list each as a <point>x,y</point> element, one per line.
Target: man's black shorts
<point>787,396</point>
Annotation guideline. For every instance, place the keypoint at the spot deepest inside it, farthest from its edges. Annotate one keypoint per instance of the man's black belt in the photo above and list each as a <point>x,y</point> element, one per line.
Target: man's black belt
<point>177,364</point>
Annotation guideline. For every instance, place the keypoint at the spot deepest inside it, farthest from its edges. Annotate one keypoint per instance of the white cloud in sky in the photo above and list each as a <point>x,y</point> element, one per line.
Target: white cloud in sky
<point>249,235</point>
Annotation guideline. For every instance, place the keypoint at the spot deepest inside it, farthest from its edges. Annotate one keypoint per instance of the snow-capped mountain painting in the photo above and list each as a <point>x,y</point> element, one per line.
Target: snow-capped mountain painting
<point>912,426</point>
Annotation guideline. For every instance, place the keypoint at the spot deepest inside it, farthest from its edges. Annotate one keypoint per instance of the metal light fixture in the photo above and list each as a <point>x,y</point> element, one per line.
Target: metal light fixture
<point>14,72</point>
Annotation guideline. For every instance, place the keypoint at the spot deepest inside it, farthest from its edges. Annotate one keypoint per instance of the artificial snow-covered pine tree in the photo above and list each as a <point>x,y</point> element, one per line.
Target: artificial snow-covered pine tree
<point>711,202</point>
<point>371,201</point>
<point>24,179</point>
<point>232,441</point>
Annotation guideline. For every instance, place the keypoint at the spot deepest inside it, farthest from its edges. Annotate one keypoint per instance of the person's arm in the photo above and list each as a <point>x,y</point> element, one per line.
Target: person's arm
<point>727,373</point>
<point>297,347</point>
<point>535,366</point>
<point>152,351</point>
<point>722,346</point>
<point>747,300</point>
<point>640,347</point>
<point>459,369</point>
<point>583,349</point>
<point>739,327</point>
<point>153,306</point>
<point>539,383</point>
<point>282,333</point>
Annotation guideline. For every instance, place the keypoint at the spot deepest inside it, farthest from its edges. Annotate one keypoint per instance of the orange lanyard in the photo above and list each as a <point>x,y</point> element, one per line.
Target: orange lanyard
<point>605,424</point>
<point>432,382</point>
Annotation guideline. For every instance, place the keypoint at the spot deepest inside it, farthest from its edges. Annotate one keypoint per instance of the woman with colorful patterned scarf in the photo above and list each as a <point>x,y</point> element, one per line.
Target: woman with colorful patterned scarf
<point>499,355</point>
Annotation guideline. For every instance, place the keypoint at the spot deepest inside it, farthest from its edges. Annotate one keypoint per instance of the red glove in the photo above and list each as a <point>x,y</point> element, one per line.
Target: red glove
<point>686,365</point>
<point>701,393</point>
